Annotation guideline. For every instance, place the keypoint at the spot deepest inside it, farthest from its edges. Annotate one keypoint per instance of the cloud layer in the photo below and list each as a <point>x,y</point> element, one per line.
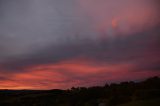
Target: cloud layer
<point>46,44</point>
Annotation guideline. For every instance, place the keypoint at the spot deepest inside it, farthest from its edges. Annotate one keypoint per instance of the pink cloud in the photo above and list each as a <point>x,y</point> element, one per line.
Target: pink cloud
<point>75,72</point>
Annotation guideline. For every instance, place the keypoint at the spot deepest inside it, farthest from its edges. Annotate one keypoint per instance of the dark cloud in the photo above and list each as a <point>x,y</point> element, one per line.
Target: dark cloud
<point>45,32</point>
<point>140,48</point>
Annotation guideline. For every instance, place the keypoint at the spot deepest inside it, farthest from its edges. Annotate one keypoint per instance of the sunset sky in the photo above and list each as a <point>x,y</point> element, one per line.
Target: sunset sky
<point>58,44</point>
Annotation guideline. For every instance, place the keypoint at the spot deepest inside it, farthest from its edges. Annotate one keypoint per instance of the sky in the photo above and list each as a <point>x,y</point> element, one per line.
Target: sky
<point>58,44</point>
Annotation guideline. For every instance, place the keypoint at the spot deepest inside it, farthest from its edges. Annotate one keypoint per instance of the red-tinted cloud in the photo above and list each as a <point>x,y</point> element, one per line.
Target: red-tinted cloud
<point>125,17</point>
<point>87,43</point>
<point>75,72</point>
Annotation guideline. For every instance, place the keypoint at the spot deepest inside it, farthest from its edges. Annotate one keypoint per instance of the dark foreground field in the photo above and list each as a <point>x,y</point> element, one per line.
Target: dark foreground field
<point>145,93</point>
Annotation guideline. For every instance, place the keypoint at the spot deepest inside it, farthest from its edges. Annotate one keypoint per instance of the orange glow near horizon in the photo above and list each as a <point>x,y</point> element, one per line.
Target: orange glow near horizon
<point>83,43</point>
<point>66,74</point>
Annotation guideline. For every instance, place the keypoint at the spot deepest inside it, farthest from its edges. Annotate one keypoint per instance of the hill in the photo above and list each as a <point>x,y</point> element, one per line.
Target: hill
<point>144,93</point>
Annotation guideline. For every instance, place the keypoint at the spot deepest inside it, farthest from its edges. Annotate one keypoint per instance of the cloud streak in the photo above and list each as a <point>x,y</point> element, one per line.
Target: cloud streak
<point>58,44</point>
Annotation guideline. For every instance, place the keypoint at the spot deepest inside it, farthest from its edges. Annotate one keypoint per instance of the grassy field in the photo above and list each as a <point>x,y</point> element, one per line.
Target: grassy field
<point>154,102</point>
